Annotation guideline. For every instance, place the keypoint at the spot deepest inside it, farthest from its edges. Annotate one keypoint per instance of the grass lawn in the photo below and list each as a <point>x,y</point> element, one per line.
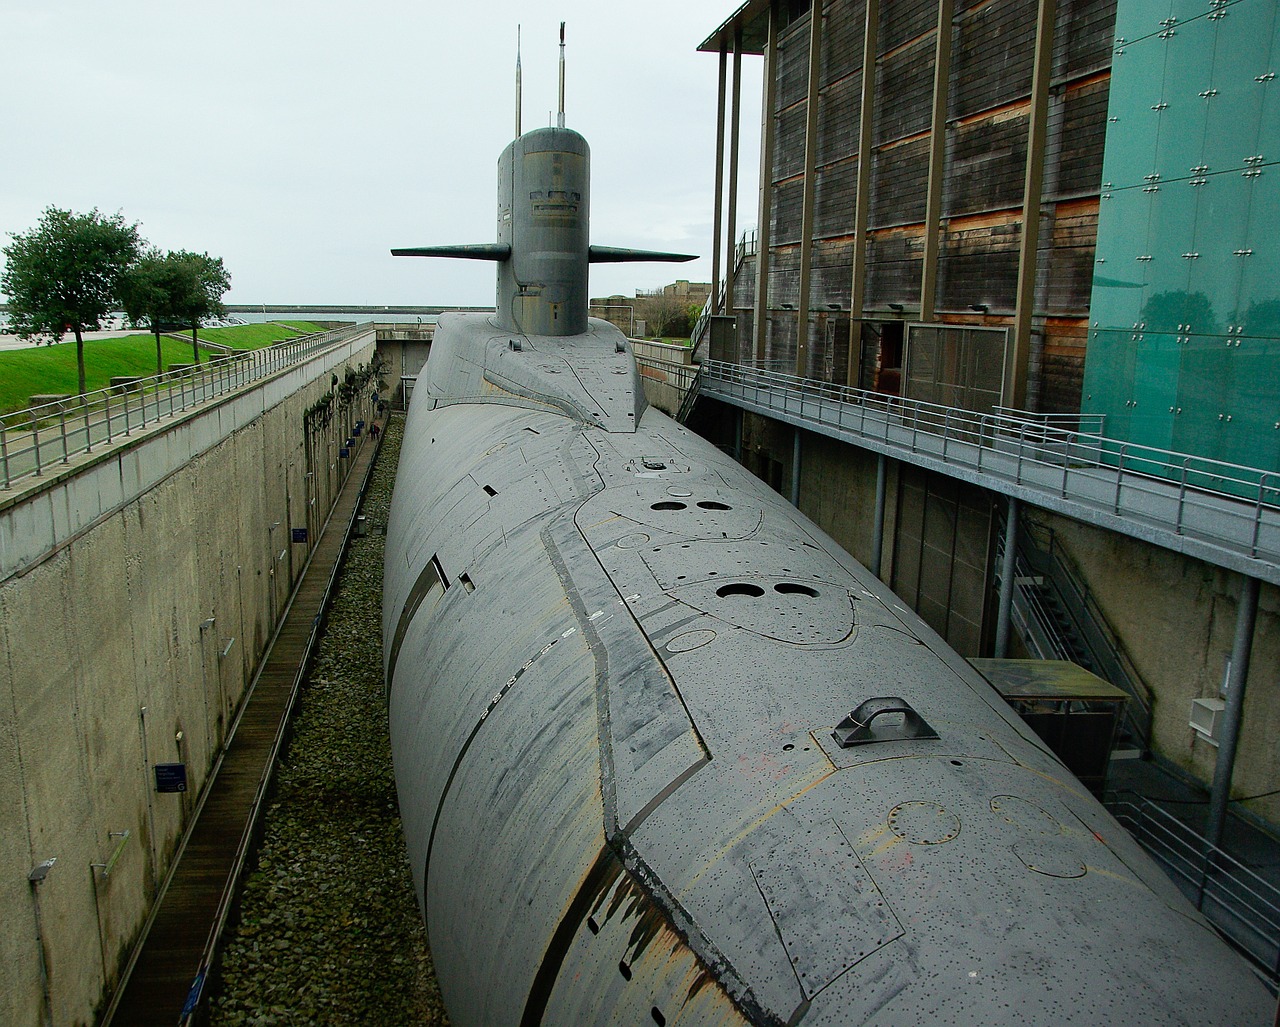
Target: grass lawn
<point>44,369</point>
<point>255,336</point>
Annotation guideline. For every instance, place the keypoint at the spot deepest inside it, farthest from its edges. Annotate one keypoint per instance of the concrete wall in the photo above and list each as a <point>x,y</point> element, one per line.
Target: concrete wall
<point>1177,619</point>
<point>663,388</point>
<point>109,572</point>
<point>404,350</point>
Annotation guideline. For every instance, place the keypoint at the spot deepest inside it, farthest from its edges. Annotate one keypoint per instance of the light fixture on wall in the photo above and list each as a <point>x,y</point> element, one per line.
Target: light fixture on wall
<point>896,307</point>
<point>834,306</point>
<point>981,308</point>
<point>788,306</point>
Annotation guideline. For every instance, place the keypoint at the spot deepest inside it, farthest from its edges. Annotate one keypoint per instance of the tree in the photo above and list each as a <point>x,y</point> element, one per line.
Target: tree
<point>204,280</point>
<point>666,314</point>
<point>64,275</point>
<point>150,291</point>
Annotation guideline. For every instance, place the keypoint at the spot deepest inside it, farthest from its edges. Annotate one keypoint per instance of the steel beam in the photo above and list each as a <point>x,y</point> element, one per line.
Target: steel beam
<point>1246,618</point>
<point>735,116</point>
<point>810,177</point>
<point>877,536</point>
<point>1037,131</point>
<point>862,200</point>
<point>717,240</point>
<point>795,468</point>
<point>766,186</point>
<point>937,161</point>
<point>1004,617</point>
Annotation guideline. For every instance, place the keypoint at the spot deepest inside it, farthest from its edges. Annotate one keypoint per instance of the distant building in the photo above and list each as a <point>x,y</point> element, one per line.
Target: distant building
<point>666,307</point>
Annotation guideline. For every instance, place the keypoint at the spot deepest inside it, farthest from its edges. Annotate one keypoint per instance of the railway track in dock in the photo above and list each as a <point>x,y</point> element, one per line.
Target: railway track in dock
<point>263,773</point>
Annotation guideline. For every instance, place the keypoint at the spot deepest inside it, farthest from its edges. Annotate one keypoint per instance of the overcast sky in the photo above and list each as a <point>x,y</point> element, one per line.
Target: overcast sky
<point>300,142</point>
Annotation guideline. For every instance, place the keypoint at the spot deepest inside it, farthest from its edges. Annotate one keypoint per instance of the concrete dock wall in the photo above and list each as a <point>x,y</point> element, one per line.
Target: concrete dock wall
<point>138,589</point>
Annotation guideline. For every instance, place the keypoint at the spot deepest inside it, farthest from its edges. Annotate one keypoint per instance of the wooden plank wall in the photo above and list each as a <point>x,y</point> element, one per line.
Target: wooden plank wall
<point>988,113</point>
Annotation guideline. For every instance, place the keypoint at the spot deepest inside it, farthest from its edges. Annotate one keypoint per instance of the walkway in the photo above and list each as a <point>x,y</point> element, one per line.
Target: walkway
<point>167,975</point>
<point>1226,515</point>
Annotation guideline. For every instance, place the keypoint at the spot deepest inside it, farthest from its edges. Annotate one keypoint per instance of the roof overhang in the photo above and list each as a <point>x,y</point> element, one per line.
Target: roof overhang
<point>751,19</point>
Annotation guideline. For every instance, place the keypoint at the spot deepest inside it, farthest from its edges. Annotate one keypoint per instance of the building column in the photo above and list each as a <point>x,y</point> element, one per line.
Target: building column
<point>763,234</point>
<point>717,243</point>
<point>795,468</point>
<point>735,116</point>
<point>1004,616</point>
<point>862,199</point>
<point>877,535</point>
<point>1037,130</point>
<point>937,161</point>
<point>810,177</point>
<point>1220,797</point>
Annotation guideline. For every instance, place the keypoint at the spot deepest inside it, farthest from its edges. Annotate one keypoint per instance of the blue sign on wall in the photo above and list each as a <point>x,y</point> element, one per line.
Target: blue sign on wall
<point>298,534</point>
<point>171,777</point>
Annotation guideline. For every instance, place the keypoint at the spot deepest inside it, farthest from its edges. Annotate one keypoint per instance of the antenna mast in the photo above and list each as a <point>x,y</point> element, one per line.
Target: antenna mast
<point>560,116</point>
<point>518,88</point>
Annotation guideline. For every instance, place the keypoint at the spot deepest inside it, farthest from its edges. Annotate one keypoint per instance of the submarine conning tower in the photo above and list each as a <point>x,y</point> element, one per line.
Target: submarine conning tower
<point>544,185</point>
<point>544,231</point>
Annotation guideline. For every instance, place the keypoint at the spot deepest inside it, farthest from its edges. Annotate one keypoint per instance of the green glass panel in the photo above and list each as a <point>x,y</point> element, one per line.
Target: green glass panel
<point>1188,75</point>
<point>1258,300</point>
<point>1267,142</point>
<point>1203,389</point>
<point>1155,391</point>
<point>1118,276</point>
<point>1252,435</point>
<point>1221,218</point>
<point>1108,378</point>
<point>1132,122</point>
<point>1170,235</point>
<point>1186,11</point>
<point>1263,76</point>
<point>1242,55</point>
<point>1136,19</point>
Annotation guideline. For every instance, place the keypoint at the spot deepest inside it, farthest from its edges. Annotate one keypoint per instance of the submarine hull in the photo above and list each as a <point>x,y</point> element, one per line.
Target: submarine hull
<point>620,672</point>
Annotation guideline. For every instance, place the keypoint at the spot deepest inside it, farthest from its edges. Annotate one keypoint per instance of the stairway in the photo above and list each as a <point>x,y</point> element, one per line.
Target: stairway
<point>1058,619</point>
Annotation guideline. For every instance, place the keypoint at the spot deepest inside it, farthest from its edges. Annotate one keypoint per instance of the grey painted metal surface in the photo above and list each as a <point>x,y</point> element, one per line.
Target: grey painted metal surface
<point>1225,514</point>
<point>615,665</point>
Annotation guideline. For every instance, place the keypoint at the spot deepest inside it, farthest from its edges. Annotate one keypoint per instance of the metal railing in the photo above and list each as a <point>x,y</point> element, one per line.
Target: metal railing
<point>35,440</point>
<point>1096,635</point>
<point>746,246</point>
<point>1240,903</point>
<point>1058,620</point>
<point>1226,506</point>
<point>689,397</point>
<point>682,378</point>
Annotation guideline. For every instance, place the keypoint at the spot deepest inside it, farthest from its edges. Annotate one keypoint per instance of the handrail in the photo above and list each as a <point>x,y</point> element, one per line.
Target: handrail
<point>1231,512</point>
<point>52,433</point>
<point>1240,903</point>
<point>746,246</point>
<point>690,397</point>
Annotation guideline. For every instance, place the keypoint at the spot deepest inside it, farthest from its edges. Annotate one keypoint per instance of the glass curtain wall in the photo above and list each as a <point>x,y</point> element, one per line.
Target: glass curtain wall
<point>1184,340</point>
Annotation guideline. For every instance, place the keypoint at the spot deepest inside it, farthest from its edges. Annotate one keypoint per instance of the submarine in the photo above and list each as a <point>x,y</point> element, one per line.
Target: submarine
<point>666,754</point>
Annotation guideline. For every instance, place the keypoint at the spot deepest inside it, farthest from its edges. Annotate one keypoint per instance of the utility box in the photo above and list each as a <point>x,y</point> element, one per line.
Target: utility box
<point>1075,712</point>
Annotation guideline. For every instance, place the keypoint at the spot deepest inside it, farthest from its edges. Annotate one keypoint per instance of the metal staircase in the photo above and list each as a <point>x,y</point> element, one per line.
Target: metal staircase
<point>1058,619</point>
<point>745,248</point>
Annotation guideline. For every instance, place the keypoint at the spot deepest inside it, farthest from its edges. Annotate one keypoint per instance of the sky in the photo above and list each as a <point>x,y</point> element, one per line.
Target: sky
<point>300,142</point>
